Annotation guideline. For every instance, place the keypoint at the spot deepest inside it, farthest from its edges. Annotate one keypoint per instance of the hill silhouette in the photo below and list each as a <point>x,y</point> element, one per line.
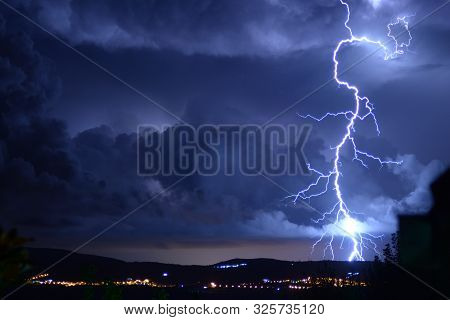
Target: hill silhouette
<point>76,265</point>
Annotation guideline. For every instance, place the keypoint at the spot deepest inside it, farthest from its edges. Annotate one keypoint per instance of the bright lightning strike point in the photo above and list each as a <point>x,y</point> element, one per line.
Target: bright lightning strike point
<point>347,226</point>
<point>350,225</point>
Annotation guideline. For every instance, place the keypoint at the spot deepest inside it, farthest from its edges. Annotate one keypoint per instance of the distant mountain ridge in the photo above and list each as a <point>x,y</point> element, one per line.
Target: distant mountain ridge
<point>84,266</point>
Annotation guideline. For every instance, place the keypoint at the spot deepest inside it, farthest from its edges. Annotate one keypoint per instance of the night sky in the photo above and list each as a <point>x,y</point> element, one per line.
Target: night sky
<point>68,129</point>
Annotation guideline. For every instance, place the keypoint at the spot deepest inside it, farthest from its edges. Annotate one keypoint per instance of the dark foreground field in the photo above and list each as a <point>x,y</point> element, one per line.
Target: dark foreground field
<point>146,293</point>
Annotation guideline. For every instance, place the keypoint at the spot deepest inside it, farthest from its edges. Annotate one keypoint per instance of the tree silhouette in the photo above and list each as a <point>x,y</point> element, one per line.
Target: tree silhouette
<point>387,253</point>
<point>389,272</point>
<point>394,246</point>
<point>13,258</point>
<point>390,251</point>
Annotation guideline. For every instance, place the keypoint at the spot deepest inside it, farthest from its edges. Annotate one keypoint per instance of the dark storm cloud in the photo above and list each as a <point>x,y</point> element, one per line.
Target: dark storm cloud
<point>50,179</point>
<point>44,173</point>
<point>210,62</point>
<point>211,27</point>
<point>233,27</point>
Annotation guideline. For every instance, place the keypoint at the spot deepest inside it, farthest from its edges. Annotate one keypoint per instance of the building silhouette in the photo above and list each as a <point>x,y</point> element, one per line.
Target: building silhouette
<point>424,239</point>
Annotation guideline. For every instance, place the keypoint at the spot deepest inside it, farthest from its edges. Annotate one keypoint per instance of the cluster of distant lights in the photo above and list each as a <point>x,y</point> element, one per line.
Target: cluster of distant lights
<point>43,280</point>
<point>227,266</point>
<point>38,276</point>
<point>295,284</point>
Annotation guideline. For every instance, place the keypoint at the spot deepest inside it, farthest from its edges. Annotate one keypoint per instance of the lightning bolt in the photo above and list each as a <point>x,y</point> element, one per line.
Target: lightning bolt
<point>342,217</point>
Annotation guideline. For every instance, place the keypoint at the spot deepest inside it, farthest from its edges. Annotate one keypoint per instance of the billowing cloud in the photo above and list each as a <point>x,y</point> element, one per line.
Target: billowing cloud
<point>211,27</point>
<point>206,27</point>
<point>420,176</point>
<point>216,62</point>
<point>276,225</point>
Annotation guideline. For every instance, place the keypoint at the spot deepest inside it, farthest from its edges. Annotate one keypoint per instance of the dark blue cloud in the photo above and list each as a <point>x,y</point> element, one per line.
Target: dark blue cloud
<point>68,151</point>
